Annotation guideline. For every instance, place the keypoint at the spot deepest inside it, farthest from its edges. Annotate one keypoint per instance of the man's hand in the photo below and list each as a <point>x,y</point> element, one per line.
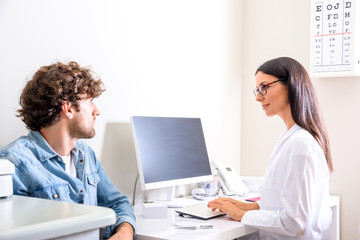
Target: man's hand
<point>124,232</point>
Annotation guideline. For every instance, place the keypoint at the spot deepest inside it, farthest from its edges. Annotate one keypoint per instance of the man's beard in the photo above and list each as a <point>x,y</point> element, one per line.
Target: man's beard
<point>76,131</point>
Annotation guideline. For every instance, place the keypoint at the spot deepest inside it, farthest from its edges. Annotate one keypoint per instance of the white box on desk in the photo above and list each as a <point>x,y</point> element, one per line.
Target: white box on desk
<point>154,210</point>
<point>7,168</point>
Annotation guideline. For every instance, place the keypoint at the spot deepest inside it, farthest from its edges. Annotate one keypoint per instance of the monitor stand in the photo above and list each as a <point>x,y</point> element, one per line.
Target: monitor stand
<point>173,202</point>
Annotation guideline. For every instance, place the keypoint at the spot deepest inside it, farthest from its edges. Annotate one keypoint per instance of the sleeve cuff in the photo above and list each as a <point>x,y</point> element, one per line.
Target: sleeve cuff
<point>110,230</point>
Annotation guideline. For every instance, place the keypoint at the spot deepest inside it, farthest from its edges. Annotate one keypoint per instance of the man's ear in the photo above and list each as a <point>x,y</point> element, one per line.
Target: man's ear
<point>67,109</point>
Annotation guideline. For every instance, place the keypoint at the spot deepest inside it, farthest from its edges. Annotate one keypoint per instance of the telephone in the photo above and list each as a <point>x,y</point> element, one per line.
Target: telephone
<point>230,182</point>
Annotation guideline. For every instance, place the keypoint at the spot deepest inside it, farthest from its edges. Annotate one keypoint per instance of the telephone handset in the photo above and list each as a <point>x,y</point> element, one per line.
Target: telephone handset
<point>230,182</point>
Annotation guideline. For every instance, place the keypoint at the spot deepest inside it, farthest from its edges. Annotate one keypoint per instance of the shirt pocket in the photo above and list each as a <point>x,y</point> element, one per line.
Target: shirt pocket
<point>271,194</point>
<point>92,182</point>
<point>59,192</point>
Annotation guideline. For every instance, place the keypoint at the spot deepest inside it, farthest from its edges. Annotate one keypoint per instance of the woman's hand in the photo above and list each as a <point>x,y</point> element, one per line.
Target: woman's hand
<point>243,205</point>
<point>233,208</point>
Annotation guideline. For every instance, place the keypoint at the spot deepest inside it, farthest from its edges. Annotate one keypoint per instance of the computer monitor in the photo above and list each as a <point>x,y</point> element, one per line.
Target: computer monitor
<point>170,151</point>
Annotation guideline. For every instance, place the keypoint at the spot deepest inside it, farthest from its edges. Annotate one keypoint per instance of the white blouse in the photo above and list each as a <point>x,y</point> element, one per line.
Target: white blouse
<point>295,193</point>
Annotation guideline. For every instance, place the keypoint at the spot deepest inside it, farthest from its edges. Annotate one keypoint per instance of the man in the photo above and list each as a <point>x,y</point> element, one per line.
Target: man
<point>51,162</point>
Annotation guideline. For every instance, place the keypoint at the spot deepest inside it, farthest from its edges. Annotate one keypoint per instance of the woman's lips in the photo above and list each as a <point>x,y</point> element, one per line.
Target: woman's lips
<point>264,106</point>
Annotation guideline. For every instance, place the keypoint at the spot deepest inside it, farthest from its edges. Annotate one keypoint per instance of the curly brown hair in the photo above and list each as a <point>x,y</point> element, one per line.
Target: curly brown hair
<point>44,94</point>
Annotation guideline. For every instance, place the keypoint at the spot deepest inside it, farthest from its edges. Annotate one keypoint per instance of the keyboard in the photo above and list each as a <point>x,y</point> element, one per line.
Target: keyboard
<point>199,210</point>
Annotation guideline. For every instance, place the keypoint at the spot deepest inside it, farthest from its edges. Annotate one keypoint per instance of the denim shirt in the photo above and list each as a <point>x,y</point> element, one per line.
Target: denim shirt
<point>40,172</point>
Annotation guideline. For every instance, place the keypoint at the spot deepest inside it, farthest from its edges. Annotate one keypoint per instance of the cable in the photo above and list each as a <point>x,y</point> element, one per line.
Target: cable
<point>134,192</point>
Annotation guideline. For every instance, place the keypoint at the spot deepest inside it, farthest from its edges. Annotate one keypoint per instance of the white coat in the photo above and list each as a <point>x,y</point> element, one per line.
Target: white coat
<point>295,193</point>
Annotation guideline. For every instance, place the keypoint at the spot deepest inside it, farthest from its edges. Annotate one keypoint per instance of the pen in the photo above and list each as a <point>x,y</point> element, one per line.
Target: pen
<point>194,227</point>
<point>254,199</point>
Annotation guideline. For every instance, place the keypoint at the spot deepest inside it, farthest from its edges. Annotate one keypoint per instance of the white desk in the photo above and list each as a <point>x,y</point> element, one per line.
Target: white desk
<point>335,226</point>
<point>34,218</point>
<point>162,228</point>
<point>225,228</point>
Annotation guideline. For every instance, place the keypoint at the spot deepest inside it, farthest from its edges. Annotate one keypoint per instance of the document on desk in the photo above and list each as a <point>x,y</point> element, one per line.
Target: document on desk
<point>190,226</point>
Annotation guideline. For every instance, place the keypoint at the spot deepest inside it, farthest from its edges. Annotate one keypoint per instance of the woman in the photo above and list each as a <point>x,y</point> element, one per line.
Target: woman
<point>294,195</point>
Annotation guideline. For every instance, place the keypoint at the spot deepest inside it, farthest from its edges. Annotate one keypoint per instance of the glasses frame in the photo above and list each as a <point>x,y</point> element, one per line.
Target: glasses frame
<point>265,86</point>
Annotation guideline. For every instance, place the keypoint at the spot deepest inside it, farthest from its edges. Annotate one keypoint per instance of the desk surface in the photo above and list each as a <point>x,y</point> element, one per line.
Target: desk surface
<point>225,228</point>
<point>163,228</point>
<point>34,218</point>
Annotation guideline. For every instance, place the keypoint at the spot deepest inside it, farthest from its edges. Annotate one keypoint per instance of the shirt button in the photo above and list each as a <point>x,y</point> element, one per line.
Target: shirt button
<point>81,160</point>
<point>55,196</point>
<point>81,191</point>
<point>59,158</point>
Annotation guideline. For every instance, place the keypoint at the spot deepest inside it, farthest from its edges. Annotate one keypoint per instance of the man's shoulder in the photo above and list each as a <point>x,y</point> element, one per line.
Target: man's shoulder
<point>18,150</point>
<point>21,143</point>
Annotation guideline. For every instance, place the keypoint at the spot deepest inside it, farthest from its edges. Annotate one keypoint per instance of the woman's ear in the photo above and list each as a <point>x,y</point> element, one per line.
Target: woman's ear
<point>67,109</point>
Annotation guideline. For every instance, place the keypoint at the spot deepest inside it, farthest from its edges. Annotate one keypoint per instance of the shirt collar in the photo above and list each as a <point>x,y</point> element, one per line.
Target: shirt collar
<point>289,132</point>
<point>42,147</point>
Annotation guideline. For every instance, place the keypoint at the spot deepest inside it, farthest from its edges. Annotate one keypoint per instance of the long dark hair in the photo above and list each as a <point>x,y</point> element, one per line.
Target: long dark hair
<point>302,98</point>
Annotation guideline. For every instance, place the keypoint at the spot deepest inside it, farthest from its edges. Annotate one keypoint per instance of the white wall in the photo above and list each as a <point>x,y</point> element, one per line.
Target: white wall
<point>182,58</point>
<point>281,28</point>
<point>159,57</point>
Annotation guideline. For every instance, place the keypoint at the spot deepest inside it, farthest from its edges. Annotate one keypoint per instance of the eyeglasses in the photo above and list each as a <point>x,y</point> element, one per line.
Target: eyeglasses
<point>262,89</point>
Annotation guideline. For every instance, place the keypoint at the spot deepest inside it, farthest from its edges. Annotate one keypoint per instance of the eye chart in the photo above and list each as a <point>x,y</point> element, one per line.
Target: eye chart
<point>335,41</point>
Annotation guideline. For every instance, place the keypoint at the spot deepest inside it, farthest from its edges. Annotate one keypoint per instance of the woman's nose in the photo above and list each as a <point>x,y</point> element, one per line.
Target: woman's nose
<point>259,97</point>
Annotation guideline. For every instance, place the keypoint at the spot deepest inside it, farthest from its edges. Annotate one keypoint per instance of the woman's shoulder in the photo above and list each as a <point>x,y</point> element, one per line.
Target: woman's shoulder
<point>303,148</point>
<point>300,133</point>
<point>302,139</point>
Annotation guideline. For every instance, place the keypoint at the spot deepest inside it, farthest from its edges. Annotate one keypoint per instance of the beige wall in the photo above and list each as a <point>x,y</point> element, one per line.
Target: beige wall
<point>281,28</point>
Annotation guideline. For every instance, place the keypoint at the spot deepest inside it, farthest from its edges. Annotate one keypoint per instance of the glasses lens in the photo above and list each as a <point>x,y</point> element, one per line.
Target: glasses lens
<point>262,89</point>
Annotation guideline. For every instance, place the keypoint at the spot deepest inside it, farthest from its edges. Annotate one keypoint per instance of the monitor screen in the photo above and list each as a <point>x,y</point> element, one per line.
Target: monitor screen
<point>170,151</point>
